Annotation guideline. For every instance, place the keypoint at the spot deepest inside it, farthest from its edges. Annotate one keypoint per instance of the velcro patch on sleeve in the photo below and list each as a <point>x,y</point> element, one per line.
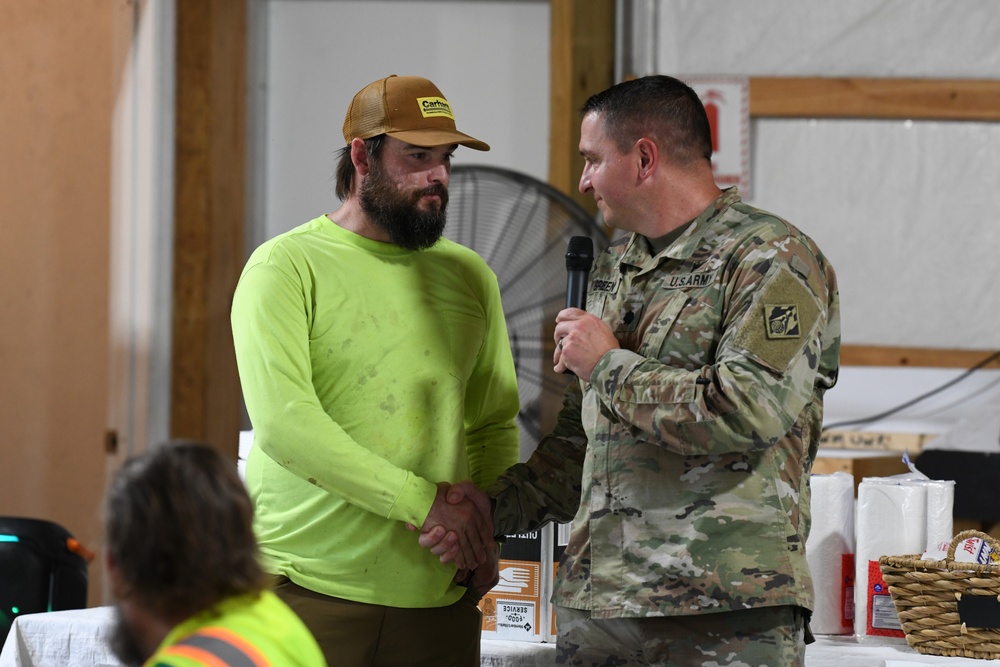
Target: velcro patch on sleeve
<point>781,321</point>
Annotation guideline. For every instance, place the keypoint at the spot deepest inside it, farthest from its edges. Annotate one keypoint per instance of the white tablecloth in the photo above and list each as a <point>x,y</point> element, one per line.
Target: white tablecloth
<point>827,651</point>
<point>78,638</point>
<point>499,653</point>
<point>60,639</point>
<point>845,651</point>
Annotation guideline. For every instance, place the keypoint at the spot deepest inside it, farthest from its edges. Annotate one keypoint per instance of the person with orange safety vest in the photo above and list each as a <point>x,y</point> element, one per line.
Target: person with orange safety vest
<point>182,562</point>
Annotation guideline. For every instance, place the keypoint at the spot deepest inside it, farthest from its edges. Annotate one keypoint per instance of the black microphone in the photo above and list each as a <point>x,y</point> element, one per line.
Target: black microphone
<point>579,259</point>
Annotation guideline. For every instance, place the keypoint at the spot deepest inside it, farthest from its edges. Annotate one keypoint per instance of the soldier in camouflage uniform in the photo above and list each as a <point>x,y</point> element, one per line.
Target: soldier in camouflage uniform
<point>683,452</point>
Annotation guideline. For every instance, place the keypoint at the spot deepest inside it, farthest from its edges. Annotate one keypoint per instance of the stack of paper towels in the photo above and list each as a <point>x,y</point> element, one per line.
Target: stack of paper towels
<point>246,442</point>
<point>900,515</point>
<point>830,553</point>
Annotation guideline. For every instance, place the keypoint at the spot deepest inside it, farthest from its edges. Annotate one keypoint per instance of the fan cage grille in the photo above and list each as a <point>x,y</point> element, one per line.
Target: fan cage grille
<point>521,226</point>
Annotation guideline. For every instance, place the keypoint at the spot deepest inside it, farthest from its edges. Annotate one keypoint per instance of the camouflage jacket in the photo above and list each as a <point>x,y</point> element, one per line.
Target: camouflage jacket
<point>684,462</point>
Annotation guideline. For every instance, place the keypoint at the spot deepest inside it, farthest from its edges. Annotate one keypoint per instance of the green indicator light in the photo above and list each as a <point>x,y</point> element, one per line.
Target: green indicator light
<point>16,610</point>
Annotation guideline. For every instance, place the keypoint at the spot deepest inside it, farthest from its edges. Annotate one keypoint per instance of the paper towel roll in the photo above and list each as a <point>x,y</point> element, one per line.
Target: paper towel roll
<point>891,520</point>
<point>246,442</point>
<point>830,553</point>
<point>940,512</point>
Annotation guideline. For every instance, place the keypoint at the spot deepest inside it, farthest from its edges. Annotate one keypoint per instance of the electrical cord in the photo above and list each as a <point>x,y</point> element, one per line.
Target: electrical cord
<point>914,401</point>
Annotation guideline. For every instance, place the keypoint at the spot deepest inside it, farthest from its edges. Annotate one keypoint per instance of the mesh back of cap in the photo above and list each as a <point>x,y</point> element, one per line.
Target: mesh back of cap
<point>367,116</point>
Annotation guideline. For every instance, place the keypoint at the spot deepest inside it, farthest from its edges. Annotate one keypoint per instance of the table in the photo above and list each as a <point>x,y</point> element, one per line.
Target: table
<point>845,651</point>
<point>78,638</point>
<point>827,651</point>
<point>71,638</point>
<point>501,653</point>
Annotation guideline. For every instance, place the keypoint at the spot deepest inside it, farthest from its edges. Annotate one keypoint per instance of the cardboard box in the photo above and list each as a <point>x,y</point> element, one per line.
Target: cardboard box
<point>561,533</point>
<point>518,608</point>
<point>858,464</point>
<point>875,441</point>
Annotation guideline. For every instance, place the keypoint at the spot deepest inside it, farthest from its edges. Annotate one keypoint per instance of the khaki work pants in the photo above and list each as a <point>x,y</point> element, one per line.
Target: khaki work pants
<point>355,634</point>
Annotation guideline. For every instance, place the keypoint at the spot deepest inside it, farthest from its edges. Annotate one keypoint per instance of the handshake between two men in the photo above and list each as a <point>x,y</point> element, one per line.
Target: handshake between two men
<point>459,528</point>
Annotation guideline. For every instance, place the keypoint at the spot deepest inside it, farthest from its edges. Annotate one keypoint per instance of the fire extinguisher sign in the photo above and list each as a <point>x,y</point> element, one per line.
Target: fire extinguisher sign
<point>727,103</point>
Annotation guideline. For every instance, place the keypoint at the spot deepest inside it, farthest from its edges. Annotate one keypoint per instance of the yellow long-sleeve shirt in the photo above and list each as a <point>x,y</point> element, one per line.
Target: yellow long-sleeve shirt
<point>370,373</point>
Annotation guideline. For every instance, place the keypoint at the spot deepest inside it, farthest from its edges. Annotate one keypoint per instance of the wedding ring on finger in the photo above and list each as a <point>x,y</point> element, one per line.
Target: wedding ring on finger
<point>560,343</point>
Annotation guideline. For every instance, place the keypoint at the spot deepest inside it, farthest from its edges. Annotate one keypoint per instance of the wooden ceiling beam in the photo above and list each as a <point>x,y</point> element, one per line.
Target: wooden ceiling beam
<point>875,98</point>
<point>582,62</point>
<point>209,172</point>
<point>921,357</point>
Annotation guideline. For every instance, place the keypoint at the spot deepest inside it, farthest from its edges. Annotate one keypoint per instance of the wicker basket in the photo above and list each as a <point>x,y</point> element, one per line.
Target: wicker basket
<point>926,594</point>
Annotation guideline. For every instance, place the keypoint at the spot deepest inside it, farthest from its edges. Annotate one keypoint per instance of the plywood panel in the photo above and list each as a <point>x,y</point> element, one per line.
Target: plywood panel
<point>56,96</point>
<point>581,64</point>
<point>209,219</point>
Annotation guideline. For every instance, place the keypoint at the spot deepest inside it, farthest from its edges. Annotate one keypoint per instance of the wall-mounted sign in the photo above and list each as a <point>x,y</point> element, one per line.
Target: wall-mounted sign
<point>727,102</point>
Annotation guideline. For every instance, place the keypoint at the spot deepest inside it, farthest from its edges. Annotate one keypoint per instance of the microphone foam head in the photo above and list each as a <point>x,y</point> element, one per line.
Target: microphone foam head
<point>580,253</point>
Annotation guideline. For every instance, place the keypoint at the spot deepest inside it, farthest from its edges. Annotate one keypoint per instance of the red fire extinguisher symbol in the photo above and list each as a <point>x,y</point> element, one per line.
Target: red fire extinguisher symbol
<point>712,98</point>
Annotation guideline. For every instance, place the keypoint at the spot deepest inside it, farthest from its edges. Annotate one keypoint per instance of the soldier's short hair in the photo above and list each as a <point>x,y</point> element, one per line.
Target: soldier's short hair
<point>659,107</point>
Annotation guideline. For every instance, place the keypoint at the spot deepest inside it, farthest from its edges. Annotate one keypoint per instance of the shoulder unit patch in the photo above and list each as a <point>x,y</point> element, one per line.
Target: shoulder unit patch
<point>782,321</point>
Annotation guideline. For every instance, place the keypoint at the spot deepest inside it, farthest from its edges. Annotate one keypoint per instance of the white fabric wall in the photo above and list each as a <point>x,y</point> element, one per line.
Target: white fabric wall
<point>906,210</point>
<point>142,196</point>
<point>489,58</point>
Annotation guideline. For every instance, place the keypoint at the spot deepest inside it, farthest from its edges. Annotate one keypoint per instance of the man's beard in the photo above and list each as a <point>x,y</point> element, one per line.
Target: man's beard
<point>123,642</point>
<point>397,212</point>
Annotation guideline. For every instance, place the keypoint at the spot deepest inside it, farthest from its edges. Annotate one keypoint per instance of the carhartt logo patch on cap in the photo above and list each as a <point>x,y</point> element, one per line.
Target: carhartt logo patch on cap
<point>408,108</point>
<point>435,107</point>
<point>782,321</point>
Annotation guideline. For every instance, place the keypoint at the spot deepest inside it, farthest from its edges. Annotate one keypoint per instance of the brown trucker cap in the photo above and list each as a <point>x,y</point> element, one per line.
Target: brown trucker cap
<point>409,108</point>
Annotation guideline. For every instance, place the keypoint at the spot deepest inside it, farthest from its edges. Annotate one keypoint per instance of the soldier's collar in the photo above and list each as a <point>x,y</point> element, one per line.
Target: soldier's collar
<point>638,253</point>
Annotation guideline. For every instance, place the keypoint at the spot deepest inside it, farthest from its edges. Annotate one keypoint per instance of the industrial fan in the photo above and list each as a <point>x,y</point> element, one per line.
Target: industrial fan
<point>521,227</point>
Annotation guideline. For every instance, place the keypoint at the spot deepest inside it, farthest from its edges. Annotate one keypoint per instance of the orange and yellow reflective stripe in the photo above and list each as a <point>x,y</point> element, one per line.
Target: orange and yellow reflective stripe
<point>218,647</point>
